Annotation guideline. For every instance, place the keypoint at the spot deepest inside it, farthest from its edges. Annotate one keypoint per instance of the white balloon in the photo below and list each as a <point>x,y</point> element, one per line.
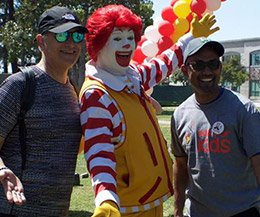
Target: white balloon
<point>147,59</point>
<point>157,20</point>
<point>149,48</point>
<point>213,5</point>
<point>208,12</point>
<point>152,33</point>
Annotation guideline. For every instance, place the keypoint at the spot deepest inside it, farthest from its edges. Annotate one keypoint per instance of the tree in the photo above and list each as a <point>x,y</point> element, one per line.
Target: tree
<point>23,24</point>
<point>17,34</point>
<point>233,73</point>
<point>141,7</point>
<point>178,77</point>
<point>7,10</point>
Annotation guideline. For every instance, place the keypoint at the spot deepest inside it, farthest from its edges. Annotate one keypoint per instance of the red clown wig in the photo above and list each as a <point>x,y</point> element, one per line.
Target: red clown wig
<point>103,21</point>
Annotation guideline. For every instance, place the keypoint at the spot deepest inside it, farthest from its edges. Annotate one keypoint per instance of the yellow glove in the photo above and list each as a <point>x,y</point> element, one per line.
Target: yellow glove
<point>202,27</point>
<point>107,209</point>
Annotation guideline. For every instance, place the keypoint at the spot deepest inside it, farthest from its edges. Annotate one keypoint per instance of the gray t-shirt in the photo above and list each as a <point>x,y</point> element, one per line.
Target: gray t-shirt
<point>53,136</point>
<point>218,139</point>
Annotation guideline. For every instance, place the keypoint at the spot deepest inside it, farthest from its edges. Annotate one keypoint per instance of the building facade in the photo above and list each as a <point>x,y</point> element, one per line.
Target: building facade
<point>248,51</point>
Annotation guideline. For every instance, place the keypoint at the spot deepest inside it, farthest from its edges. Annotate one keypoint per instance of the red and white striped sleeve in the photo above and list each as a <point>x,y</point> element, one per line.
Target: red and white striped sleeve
<point>99,119</point>
<point>161,66</point>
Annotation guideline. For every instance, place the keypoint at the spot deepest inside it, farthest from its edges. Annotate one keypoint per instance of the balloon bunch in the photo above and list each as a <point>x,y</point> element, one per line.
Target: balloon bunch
<point>175,22</point>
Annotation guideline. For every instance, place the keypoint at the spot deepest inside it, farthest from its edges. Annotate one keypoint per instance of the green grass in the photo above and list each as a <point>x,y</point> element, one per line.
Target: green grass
<point>82,199</point>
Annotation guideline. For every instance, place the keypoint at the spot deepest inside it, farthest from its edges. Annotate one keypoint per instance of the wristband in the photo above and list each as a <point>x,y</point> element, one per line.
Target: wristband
<point>4,168</point>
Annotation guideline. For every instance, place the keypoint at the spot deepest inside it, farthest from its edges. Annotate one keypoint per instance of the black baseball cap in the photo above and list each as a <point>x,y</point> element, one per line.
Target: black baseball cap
<point>197,43</point>
<point>59,19</point>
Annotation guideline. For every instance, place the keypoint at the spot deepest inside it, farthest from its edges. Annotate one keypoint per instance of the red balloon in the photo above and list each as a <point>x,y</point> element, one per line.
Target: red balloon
<point>165,28</point>
<point>164,43</point>
<point>198,6</point>
<point>138,55</point>
<point>189,17</point>
<point>168,14</point>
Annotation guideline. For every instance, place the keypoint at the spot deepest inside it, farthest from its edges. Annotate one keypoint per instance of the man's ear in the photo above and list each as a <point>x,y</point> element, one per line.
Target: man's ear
<point>40,40</point>
<point>184,70</point>
<point>221,65</point>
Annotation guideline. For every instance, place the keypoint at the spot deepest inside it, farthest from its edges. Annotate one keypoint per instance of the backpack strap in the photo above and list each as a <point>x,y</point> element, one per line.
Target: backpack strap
<point>75,86</point>
<point>27,100</point>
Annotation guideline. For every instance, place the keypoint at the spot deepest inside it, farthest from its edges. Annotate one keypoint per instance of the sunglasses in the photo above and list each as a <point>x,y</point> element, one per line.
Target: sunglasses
<point>77,37</point>
<point>200,65</point>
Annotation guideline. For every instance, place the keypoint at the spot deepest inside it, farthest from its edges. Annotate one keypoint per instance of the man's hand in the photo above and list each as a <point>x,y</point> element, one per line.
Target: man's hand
<point>107,209</point>
<point>12,186</point>
<point>203,27</point>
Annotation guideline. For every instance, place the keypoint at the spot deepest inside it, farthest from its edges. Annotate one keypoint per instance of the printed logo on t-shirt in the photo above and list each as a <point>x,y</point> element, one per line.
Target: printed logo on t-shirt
<point>217,128</point>
<point>215,140</point>
<point>187,139</point>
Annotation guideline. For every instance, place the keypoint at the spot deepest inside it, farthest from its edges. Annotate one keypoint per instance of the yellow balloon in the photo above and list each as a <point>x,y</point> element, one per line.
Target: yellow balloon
<point>175,37</point>
<point>181,25</point>
<point>181,8</point>
<point>188,1</point>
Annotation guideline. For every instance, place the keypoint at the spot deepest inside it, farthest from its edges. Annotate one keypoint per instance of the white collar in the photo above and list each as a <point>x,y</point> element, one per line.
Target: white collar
<point>112,81</point>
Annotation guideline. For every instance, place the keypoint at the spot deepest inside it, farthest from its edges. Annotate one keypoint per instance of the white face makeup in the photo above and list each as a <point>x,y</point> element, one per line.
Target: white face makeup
<point>115,56</point>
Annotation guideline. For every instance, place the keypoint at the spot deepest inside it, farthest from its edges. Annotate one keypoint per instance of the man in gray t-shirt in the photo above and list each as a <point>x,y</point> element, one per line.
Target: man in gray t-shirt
<point>215,141</point>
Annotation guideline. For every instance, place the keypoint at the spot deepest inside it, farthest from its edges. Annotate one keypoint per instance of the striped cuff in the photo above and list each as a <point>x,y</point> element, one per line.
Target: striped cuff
<point>106,195</point>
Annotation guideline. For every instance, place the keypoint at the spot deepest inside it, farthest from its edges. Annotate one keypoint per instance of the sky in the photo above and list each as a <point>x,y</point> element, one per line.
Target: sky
<point>237,19</point>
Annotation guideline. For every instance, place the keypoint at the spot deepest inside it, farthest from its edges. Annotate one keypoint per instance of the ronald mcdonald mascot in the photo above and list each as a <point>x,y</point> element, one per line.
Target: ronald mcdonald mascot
<point>125,151</point>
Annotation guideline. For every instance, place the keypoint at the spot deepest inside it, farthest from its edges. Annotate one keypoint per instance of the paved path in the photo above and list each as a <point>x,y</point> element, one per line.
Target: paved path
<point>257,104</point>
<point>164,122</point>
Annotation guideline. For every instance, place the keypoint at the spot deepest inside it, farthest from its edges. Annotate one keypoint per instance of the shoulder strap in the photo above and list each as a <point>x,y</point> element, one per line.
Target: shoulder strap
<point>27,100</point>
<point>75,86</point>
